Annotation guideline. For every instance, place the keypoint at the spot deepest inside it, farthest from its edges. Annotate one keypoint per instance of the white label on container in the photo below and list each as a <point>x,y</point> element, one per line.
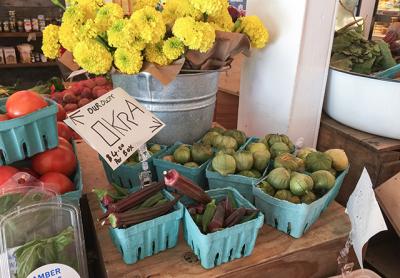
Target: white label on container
<point>54,271</point>
<point>115,125</point>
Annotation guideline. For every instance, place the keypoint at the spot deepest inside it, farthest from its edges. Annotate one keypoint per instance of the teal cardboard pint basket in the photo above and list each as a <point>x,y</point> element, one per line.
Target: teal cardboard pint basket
<point>128,175</point>
<point>150,237</point>
<point>242,184</point>
<point>197,175</point>
<point>294,219</point>
<point>75,196</point>
<point>26,136</point>
<point>228,244</point>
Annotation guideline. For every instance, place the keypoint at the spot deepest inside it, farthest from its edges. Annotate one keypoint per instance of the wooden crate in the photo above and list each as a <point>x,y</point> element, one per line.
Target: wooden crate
<point>381,156</point>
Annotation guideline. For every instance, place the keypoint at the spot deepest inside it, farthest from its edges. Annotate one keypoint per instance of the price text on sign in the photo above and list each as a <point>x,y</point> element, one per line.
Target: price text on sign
<point>115,125</point>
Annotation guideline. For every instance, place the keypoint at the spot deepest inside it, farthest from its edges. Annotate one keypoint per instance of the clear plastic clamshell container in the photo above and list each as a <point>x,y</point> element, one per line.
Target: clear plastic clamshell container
<point>43,239</point>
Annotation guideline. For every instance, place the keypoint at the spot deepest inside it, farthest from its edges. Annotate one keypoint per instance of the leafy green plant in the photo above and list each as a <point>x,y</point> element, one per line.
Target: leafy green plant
<point>37,253</point>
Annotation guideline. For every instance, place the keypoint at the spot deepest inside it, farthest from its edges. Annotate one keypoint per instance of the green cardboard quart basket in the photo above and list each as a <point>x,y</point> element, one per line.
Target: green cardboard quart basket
<point>241,183</point>
<point>128,175</point>
<point>74,196</point>
<point>150,237</point>
<point>294,219</point>
<point>26,136</point>
<point>197,175</point>
<point>228,244</point>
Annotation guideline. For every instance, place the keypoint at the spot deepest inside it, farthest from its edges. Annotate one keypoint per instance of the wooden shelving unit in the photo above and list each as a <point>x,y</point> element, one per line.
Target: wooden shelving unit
<point>19,34</point>
<point>28,65</point>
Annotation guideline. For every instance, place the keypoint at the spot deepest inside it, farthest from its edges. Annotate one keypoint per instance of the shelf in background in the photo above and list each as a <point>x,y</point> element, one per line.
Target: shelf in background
<point>31,65</point>
<point>388,12</point>
<point>19,34</point>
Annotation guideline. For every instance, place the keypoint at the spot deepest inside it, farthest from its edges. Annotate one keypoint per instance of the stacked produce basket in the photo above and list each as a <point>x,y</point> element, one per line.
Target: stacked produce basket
<point>30,143</point>
<point>40,189</point>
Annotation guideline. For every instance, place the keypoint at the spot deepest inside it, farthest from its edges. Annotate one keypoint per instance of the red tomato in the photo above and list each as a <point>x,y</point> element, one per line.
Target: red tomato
<point>6,172</point>
<point>76,136</point>
<point>57,182</point>
<point>59,159</point>
<point>64,131</point>
<point>61,115</point>
<point>23,103</point>
<point>30,172</point>
<point>4,117</point>
<point>63,143</point>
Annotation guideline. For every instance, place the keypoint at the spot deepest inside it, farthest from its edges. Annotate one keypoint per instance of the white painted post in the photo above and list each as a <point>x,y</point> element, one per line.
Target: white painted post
<point>283,85</point>
<point>367,9</point>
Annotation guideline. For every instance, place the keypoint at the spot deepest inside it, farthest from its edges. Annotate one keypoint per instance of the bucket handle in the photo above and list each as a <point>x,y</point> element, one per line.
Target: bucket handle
<point>223,69</point>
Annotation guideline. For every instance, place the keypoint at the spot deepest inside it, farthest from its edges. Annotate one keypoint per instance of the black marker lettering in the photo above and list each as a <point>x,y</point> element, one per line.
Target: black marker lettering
<point>119,116</point>
<point>117,128</point>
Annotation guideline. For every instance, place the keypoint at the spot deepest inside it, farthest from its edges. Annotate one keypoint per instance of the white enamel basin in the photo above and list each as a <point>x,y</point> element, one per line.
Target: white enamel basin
<point>363,102</point>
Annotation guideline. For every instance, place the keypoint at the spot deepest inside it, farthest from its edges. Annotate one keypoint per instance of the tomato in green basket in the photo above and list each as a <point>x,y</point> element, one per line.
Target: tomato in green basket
<point>23,103</point>
<point>64,131</point>
<point>57,182</point>
<point>6,172</point>
<point>4,117</point>
<point>62,142</point>
<point>59,159</point>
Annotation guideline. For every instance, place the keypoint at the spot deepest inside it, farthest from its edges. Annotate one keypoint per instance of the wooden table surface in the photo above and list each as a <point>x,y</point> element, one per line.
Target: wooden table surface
<point>275,254</point>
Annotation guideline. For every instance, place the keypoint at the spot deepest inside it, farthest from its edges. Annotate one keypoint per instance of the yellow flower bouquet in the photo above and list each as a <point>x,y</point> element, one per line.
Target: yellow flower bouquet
<point>100,37</point>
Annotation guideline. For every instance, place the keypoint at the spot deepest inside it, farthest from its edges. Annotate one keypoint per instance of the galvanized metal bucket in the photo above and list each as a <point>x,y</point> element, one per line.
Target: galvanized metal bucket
<point>186,105</point>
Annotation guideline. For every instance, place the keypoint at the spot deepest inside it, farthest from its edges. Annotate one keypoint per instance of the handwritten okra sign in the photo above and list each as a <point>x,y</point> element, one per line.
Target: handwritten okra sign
<point>115,125</point>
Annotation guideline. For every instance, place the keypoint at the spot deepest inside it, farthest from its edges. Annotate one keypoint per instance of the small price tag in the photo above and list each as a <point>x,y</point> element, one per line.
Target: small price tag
<point>145,175</point>
<point>115,125</point>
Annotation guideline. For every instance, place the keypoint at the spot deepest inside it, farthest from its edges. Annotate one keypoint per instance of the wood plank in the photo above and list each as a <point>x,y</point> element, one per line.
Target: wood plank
<point>388,195</point>
<point>92,168</point>
<point>328,235</point>
<point>373,142</point>
<point>24,3</point>
<point>345,130</point>
<point>19,34</point>
<point>388,170</point>
<point>275,253</point>
<point>28,65</point>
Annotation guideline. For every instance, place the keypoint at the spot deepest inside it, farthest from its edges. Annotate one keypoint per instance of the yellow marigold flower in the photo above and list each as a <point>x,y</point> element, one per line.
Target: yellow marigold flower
<point>88,7</point>
<point>173,48</point>
<point>222,21</point>
<point>253,27</point>
<point>174,9</point>
<point>207,34</point>
<point>128,60</point>
<point>88,30</point>
<point>68,36</point>
<point>51,46</point>
<point>73,14</point>
<point>210,7</point>
<point>115,34</point>
<point>154,54</point>
<point>107,15</point>
<point>93,56</point>
<point>151,24</point>
<point>124,34</point>
<point>140,4</point>
<point>195,35</point>
<point>72,21</point>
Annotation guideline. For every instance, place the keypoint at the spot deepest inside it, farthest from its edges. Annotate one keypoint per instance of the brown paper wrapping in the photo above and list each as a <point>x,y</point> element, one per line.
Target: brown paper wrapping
<point>165,74</point>
<point>226,46</point>
<point>68,60</point>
